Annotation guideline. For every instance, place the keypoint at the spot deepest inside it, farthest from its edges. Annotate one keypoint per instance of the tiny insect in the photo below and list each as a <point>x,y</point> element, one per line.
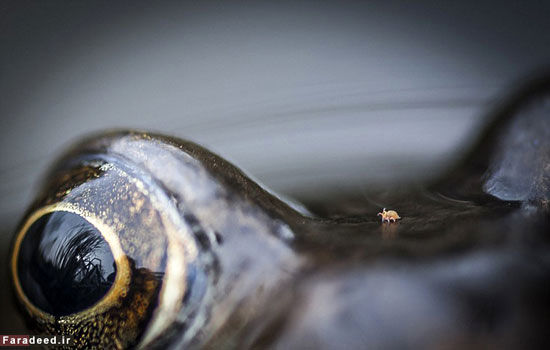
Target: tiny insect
<point>389,216</point>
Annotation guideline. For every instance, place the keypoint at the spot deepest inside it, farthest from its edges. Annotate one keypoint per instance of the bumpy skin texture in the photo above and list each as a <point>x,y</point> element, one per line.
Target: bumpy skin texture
<point>467,265</point>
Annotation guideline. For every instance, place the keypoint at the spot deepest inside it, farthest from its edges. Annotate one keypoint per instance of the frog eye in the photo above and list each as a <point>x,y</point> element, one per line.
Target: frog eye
<point>65,265</point>
<point>104,257</point>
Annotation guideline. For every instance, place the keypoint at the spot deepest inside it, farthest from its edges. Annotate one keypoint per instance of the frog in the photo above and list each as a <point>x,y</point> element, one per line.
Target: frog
<point>142,240</point>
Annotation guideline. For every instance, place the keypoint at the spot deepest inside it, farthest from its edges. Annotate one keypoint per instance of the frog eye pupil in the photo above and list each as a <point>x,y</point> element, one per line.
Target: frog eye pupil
<point>64,264</point>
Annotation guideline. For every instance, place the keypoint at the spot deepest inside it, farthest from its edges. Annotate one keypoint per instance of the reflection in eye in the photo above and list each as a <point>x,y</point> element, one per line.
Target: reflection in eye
<point>65,265</point>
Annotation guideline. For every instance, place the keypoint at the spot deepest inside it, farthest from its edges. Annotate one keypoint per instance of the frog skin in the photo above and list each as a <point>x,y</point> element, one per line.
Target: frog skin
<point>201,256</point>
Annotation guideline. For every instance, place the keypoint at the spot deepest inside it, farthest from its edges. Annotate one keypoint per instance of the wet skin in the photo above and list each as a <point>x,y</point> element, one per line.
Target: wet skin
<point>206,258</point>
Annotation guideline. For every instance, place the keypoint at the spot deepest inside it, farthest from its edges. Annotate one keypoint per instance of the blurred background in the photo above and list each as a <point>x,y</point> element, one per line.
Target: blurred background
<point>310,98</point>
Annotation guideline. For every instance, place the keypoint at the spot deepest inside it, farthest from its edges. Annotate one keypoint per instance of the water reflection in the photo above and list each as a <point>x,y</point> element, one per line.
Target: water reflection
<point>64,264</point>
